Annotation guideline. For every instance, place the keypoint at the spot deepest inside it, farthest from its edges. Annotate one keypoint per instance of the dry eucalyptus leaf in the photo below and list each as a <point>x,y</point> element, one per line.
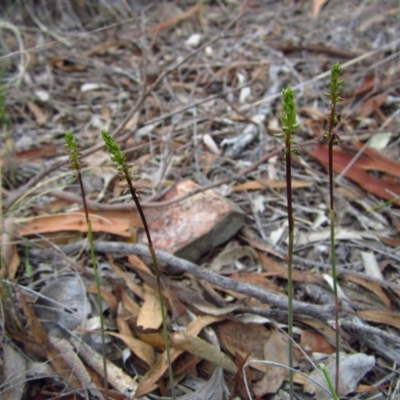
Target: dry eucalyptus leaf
<point>371,265</point>
<point>230,256</point>
<point>203,349</point>
<point>13,374</point>
<point>150,313</point>
<point>276,349</point>
<point>353,367</point>
<point>243,339</point>
<point>142,350</point>
<point>64,302</point>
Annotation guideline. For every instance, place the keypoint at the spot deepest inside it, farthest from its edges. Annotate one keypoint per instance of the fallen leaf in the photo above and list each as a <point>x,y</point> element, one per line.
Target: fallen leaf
<point>313,342</point>
<point>40,115</point>
<point>38,333</point>
<point>65,65</point>
<point>36,152</point>
<point>150,313</point>
<point>372,104</point>
<point>14,371</point>
<point>255,278</point>
<point>367,84</point>
<point>375,160</point>
<point>129,305</point>
<point>380,317</point>
<point>352,369</point>
<point>373,287</point>
<point>106,295</point>
<point>371,265</point>
<point>316,7</point>
<point>228,256</point>
<point>274,268</point>
<point>380,140</point>
<point>148,381</point>
<point>122,324</point>
<point>243,339</point>
<point>320,327</point>
<point>252,239</point>
<point>390,241</point>
<point>132,285</point>
<point>202,349</point>
<point>342,159</point>
<point>114,222</point>
<point>64,301</point>
<point>276,349</point>
<point>141,349</point>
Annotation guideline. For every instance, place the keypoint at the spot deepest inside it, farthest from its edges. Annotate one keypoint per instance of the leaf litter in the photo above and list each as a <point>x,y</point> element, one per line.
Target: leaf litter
<point>210,120</point>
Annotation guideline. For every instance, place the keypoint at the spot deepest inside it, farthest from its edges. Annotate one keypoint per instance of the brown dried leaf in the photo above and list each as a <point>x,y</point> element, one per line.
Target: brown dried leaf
<point>276,349</point>
<point>122,324</point>
<point>141,349</point>
<point>372,104</point>
<point>14,368</point>
<point>40,115</point>
<point>38,333</point>
<point>106,295</point>
<point>390,241</point>
<point>375,160</point>
<point>373,287</point>
<point>274,268</point>
<point>243,339</point>
<point>203,349</point>
<point>316,8</point>
<point>315,342</point>
<point>320,327</point>
<point>114,222</point>
<point>381,317</point>
<point>37,152</point>
<point>150,314</point>
<point>133,286</point>
<point>255,278</point>
<point>148,382</point>
<point>342,159</point>
<point>366,85</point>
<point>129,305</point>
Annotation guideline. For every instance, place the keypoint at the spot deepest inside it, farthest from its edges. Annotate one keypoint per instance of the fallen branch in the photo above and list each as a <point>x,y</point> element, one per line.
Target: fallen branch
<point>348,320</point>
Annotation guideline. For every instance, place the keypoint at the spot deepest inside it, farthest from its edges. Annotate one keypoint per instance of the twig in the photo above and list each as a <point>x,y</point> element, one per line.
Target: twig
<point>177,265</point>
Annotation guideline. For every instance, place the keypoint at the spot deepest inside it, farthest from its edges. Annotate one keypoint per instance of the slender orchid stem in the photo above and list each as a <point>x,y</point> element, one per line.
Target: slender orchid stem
<point>332,138</point>
<point>123,167</point>
<point>76,165</point>
<point>288,119</point>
